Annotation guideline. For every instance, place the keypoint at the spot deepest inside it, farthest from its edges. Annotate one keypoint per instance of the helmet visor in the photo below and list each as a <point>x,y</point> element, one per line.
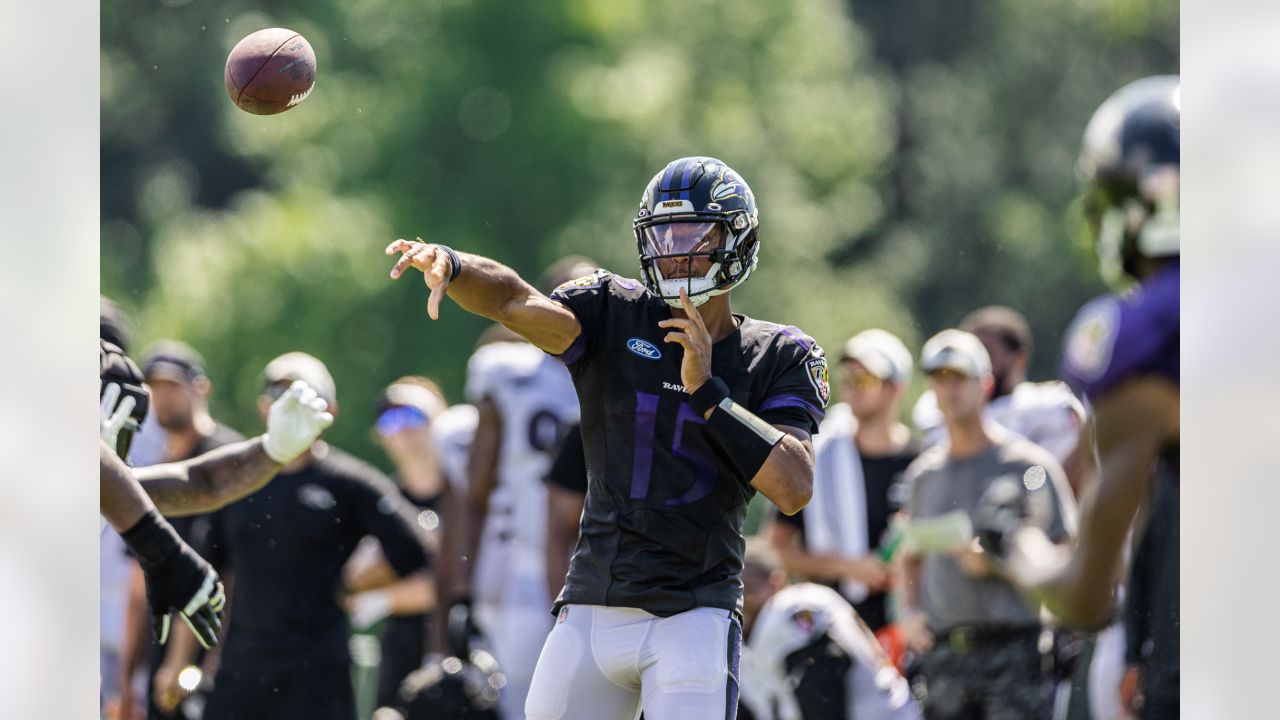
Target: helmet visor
<point>683,238</point>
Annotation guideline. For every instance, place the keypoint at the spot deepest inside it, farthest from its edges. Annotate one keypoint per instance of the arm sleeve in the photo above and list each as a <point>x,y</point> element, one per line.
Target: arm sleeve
<point>586,298</point>
<point>569,470</point>
<point>801,388</point>
<point>1137,603</point>
<point>385,514</point>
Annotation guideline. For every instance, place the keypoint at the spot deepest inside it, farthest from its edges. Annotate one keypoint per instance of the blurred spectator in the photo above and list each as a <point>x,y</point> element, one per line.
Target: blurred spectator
<point>861,452</point>
<point>526,400</point>
<point>1046,413</point>
<point>286,651</point>
<point>180,392</point>
<point>977,634</point>
<point>427,444</point>
<point>807,654</point>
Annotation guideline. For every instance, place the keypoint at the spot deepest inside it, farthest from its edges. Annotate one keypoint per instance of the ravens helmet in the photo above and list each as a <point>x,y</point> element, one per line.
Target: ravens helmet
<point>448,688</point>
<point>1130,164</point>
<point>696,229</point>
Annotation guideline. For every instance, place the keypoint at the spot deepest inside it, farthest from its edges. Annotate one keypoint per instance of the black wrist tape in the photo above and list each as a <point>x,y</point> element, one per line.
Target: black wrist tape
<point>152,540</point>
<point>455,264</point>
<point>708,395</point>
<point>745,439</point>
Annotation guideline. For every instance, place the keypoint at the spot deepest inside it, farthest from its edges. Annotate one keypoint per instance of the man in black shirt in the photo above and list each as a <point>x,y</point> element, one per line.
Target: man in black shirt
<point>687,411</point>
<point>862,454</point>
<point>286,652</point>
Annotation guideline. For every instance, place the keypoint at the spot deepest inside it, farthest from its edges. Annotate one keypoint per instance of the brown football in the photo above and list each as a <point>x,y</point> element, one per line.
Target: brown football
<point>270,71</point>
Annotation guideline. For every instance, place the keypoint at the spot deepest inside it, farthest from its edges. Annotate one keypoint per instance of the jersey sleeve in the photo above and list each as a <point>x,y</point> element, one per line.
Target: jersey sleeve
<point>586,297</point>
<point>384,513</point>
<point>569,470</point>
<point>1115,338</point>
<point>801,388</point>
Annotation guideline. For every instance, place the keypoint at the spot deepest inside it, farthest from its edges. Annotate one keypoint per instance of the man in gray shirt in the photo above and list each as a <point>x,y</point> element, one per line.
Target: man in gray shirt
<point>977,635</point>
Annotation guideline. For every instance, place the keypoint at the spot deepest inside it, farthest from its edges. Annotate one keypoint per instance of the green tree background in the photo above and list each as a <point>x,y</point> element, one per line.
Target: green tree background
<point>912,160</point>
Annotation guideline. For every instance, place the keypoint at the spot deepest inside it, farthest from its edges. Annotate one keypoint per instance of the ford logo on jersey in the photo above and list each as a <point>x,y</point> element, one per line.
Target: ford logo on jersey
<point>644,349</point>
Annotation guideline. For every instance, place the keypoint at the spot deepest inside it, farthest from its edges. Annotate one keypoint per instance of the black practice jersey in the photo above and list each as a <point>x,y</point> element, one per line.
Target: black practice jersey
<point>286,546</point>
<point>662,527</point>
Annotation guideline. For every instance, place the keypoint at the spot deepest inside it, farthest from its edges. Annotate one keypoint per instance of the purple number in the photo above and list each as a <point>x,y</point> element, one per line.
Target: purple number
<point>704,466</point>
<point>646,420</point>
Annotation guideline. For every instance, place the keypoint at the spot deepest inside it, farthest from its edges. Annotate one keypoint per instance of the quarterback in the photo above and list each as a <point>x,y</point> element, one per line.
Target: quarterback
<point>688,410</point>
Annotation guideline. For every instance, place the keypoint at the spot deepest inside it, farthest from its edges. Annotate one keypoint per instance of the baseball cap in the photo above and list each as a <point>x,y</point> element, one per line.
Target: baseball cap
<point>172,360</point>
<point>881,353</point>
<point>301,366</point>
<point>955,350</point>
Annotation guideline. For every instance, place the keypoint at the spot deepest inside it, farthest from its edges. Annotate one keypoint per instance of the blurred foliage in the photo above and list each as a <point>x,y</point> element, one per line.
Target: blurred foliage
<point>912,160</point>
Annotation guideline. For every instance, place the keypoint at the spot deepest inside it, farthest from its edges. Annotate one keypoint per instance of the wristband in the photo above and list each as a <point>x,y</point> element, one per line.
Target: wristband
<point>455,264</point>
<point>744,439</point>
<point>152,540</point>
<point>708,395</point>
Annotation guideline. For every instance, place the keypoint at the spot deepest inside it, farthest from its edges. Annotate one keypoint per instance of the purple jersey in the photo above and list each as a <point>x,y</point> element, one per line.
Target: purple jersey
<point>1116,337</point>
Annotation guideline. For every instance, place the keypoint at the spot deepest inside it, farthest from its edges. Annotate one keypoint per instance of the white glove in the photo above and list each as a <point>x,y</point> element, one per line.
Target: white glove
<point>113,416</point>
<point>294,422</point>
<point>369,607</point>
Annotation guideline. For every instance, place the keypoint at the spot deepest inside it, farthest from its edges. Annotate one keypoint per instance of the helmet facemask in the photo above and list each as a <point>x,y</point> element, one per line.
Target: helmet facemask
<point>702,253</point>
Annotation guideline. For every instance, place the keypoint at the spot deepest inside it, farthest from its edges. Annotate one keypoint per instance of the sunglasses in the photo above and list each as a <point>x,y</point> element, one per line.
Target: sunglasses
<point>398,419</point>
<point>865,381</point>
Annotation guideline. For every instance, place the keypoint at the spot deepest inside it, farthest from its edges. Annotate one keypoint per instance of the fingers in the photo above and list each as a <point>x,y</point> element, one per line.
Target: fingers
<point>438,280</point>
<point>109,398</point>
<point>219,598</point>
<point>160,628</point>
<point>690,310</point>
<point>398,246</point>
<point>202,628</point>
<point>123,411</point>
<point>415,254</point>
<point>676,337</point>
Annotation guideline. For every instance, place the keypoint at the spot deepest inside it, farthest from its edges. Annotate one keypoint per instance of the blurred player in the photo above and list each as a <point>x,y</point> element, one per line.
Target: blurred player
<point>525,400</point>
<point>131,500</point>
<point>1121,354</point>
<point>808,655</point>
<point>687,411</point>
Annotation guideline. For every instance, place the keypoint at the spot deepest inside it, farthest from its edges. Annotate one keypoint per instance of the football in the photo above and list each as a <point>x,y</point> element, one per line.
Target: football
<point>270,71</point>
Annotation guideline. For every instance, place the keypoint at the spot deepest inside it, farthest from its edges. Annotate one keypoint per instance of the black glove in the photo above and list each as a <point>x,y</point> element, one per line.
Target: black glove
<point>1000,511</point>
<point>461,628</point>
<point>178,580</point>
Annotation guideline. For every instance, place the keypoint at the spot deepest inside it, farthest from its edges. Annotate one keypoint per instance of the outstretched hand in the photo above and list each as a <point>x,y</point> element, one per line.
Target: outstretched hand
<point>432,261</point>
<point>692,334</point>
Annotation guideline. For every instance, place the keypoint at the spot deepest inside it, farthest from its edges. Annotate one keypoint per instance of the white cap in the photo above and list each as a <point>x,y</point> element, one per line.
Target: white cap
<point>881,353</point>
<point>301,366</point>
<point>956,350</point>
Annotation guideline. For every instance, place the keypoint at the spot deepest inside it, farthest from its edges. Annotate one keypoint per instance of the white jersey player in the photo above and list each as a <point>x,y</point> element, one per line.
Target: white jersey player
<point>808,655</point>
<point>526,402</point>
